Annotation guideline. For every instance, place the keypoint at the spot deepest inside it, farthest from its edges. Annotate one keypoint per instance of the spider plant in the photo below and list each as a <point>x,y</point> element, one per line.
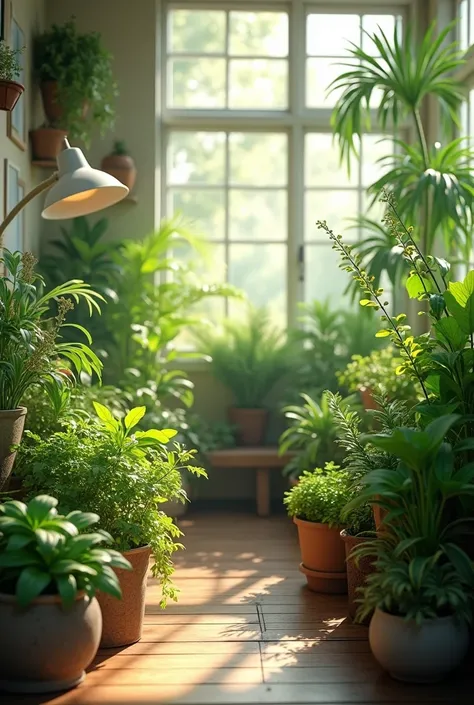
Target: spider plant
<point>432,184</point>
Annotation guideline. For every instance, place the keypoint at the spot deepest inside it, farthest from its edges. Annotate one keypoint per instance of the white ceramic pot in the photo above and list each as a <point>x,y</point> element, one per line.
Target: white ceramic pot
<point>418,654</point>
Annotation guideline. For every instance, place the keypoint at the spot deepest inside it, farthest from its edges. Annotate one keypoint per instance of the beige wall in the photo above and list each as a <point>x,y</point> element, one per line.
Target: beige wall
<point>30,16</point>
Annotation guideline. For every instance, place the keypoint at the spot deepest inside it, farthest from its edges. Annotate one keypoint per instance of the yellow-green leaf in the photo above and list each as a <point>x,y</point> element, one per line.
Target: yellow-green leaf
<point>134,416</point>
<point>382,333</point>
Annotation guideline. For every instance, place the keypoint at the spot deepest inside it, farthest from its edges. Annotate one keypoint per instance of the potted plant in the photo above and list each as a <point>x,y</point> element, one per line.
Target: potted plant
<point>315,505</point>
<point>49,573</point>
<point>30,343</point>
<point>249,357</point>
<point>125,476</point>
<point>10,90</point>
<point>360,528</point>
<point>120,164</point>
<point>76,80</point>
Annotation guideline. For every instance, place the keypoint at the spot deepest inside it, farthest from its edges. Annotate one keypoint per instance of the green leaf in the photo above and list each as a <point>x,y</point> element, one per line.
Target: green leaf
<point>17,559</point>
<point>105,414</point>
<point>416,285</point>
<point>82,520</point>
<point>108,583</point>
<point>68,566</point>
<point>382,333</point>
<point>134,416</point>
<point>40,507</point>
<point>162,436</point>
<point>67,588</point>
<point>30,584</point>
<point>449,332</point>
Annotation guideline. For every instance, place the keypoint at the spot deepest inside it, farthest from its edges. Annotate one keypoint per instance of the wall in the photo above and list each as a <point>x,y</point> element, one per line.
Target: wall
<point>30,15</point>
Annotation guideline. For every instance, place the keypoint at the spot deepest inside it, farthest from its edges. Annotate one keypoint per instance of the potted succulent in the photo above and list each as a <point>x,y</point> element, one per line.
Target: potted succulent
<point>30,343</point>
<point>77,85</point>
<point>125,476</point>
<point>120,164</point>
<point>50,571</point>
<point>360,528</point>
<point>315,505</point>
<point>10,90</point>
<point>249,357</point>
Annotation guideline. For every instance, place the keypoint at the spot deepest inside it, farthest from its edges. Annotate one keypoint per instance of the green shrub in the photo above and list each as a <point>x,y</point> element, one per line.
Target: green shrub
<point>320,496</point>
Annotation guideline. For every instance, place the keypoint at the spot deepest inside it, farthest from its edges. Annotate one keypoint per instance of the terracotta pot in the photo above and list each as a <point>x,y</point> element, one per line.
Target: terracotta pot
<point>357,571</point>
<point>251,424</point>
<point>10,92</point>
<point>367,398</point>
<point>418,654</point>
<point>45,647</point>
<point>52,109</point>
<point>122,167</point>
<point>323,556</point>
<point>123,619</point>
<point>12,424</point>
<point>46,143</point>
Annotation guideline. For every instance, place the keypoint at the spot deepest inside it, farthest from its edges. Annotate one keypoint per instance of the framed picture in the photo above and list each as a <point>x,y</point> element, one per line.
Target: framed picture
<point>16,120</point>
<point>3,23</point>
<point>14,192</point>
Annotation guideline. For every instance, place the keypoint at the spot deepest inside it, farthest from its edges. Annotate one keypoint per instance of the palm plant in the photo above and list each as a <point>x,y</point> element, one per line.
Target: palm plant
<point>432,184</point>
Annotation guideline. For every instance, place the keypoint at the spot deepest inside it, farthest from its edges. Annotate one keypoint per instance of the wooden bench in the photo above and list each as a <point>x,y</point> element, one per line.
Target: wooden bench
<point>262,460</point>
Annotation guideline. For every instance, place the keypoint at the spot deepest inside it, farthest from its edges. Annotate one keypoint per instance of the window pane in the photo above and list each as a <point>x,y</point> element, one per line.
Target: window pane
<point>257,215</point>
<point>197,31</point>
<point>463,24</point>
<point>320,73</point>
<point>323,278</point>
<point>329,35</point>
<point>336,207</point>
<point>372,24</point>
<point>373,148</point>
<point>260,270</point>
<point>258,34</point>
<point>196,158</point>
<point>322,163</point>
<point>197,83</point>
<point>258,84</point>
<point>203,210</point>
<point>375,212</point>
<point>258,159</point>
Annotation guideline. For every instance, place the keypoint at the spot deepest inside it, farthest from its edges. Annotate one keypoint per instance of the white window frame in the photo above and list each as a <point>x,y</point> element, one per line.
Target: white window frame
<point>296,121</point>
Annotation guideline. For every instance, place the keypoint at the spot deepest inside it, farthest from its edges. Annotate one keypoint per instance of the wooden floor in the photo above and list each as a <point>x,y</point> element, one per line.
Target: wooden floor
<point>246,630</point>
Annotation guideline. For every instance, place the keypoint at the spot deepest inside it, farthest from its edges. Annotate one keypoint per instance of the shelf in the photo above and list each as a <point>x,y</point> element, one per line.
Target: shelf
<point>44,163</point>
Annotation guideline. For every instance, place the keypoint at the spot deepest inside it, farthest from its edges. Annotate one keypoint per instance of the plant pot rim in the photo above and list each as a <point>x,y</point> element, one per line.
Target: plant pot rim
<point>345,536</point>
<point>135,551</point>
<point>19,411</point>
<point>326,574</point>
<point>8,599</point>
<point>315,524</point>
<point>20,86</point>
<point>411,622</point>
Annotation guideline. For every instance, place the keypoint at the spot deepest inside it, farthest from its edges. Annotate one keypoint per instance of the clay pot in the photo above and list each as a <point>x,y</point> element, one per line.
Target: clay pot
<point>357,571</point>
<point>12,423</point>
<point>367,398</point>
<point>52,109</point>
<point>323,556</point>
<point>123,619</point>
<point>250,423</point>
<point>122,167</point>
<point>10,92</point>
<point>46,647</point>
<point>414,653</point>
<point>46,143</point>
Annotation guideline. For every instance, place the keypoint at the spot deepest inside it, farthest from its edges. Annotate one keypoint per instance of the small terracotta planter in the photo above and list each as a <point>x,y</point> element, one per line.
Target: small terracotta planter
<point>46,648</point>
<point>122,167</point>
<point>367,398</point>
<point>51,106</point>
<point>323,556</point>
<point>12,423</point>
<point>10,92</point>
<point>357,571</point>
<point>46,143</point>
<point>250,423</point>
<point>123,619</point>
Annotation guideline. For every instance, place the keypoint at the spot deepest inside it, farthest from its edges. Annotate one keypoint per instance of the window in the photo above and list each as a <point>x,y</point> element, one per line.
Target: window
<point>249,155</point>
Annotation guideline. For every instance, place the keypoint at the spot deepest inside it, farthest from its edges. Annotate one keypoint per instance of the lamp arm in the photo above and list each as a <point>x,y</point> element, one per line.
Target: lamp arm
<point>47,183</point>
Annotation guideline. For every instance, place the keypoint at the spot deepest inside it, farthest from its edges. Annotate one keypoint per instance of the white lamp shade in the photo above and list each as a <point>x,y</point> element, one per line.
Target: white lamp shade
<point>80,189</point>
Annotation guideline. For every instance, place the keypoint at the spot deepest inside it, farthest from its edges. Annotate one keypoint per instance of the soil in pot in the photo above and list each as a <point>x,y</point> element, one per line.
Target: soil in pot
<point>46,648</point>
<point>122,167</point>
<point>12,423</point>
<point>250,423</point>
<point>418,654</point>
<point>357,571</point>
<point>123,619</point>
<point>46,143</point>
<point>323,556</point>
<point>10,92</point>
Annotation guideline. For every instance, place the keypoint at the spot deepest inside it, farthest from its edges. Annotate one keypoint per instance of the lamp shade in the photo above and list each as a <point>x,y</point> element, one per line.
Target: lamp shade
<point>80,189</point>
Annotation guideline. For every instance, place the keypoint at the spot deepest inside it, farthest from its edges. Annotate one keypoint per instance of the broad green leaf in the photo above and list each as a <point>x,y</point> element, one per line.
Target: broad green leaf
<point>67,566</point>
<point>82,520</point>
<point>40,507</point>
<point>382,333</point>
<point>108,583</point>
<point>67,588</point>
<point>31,584</point>
<point>449,332</point>
<point>104,414</point>
<point>163,435</point>
<point>134,416</point>
<point>416,285</point>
